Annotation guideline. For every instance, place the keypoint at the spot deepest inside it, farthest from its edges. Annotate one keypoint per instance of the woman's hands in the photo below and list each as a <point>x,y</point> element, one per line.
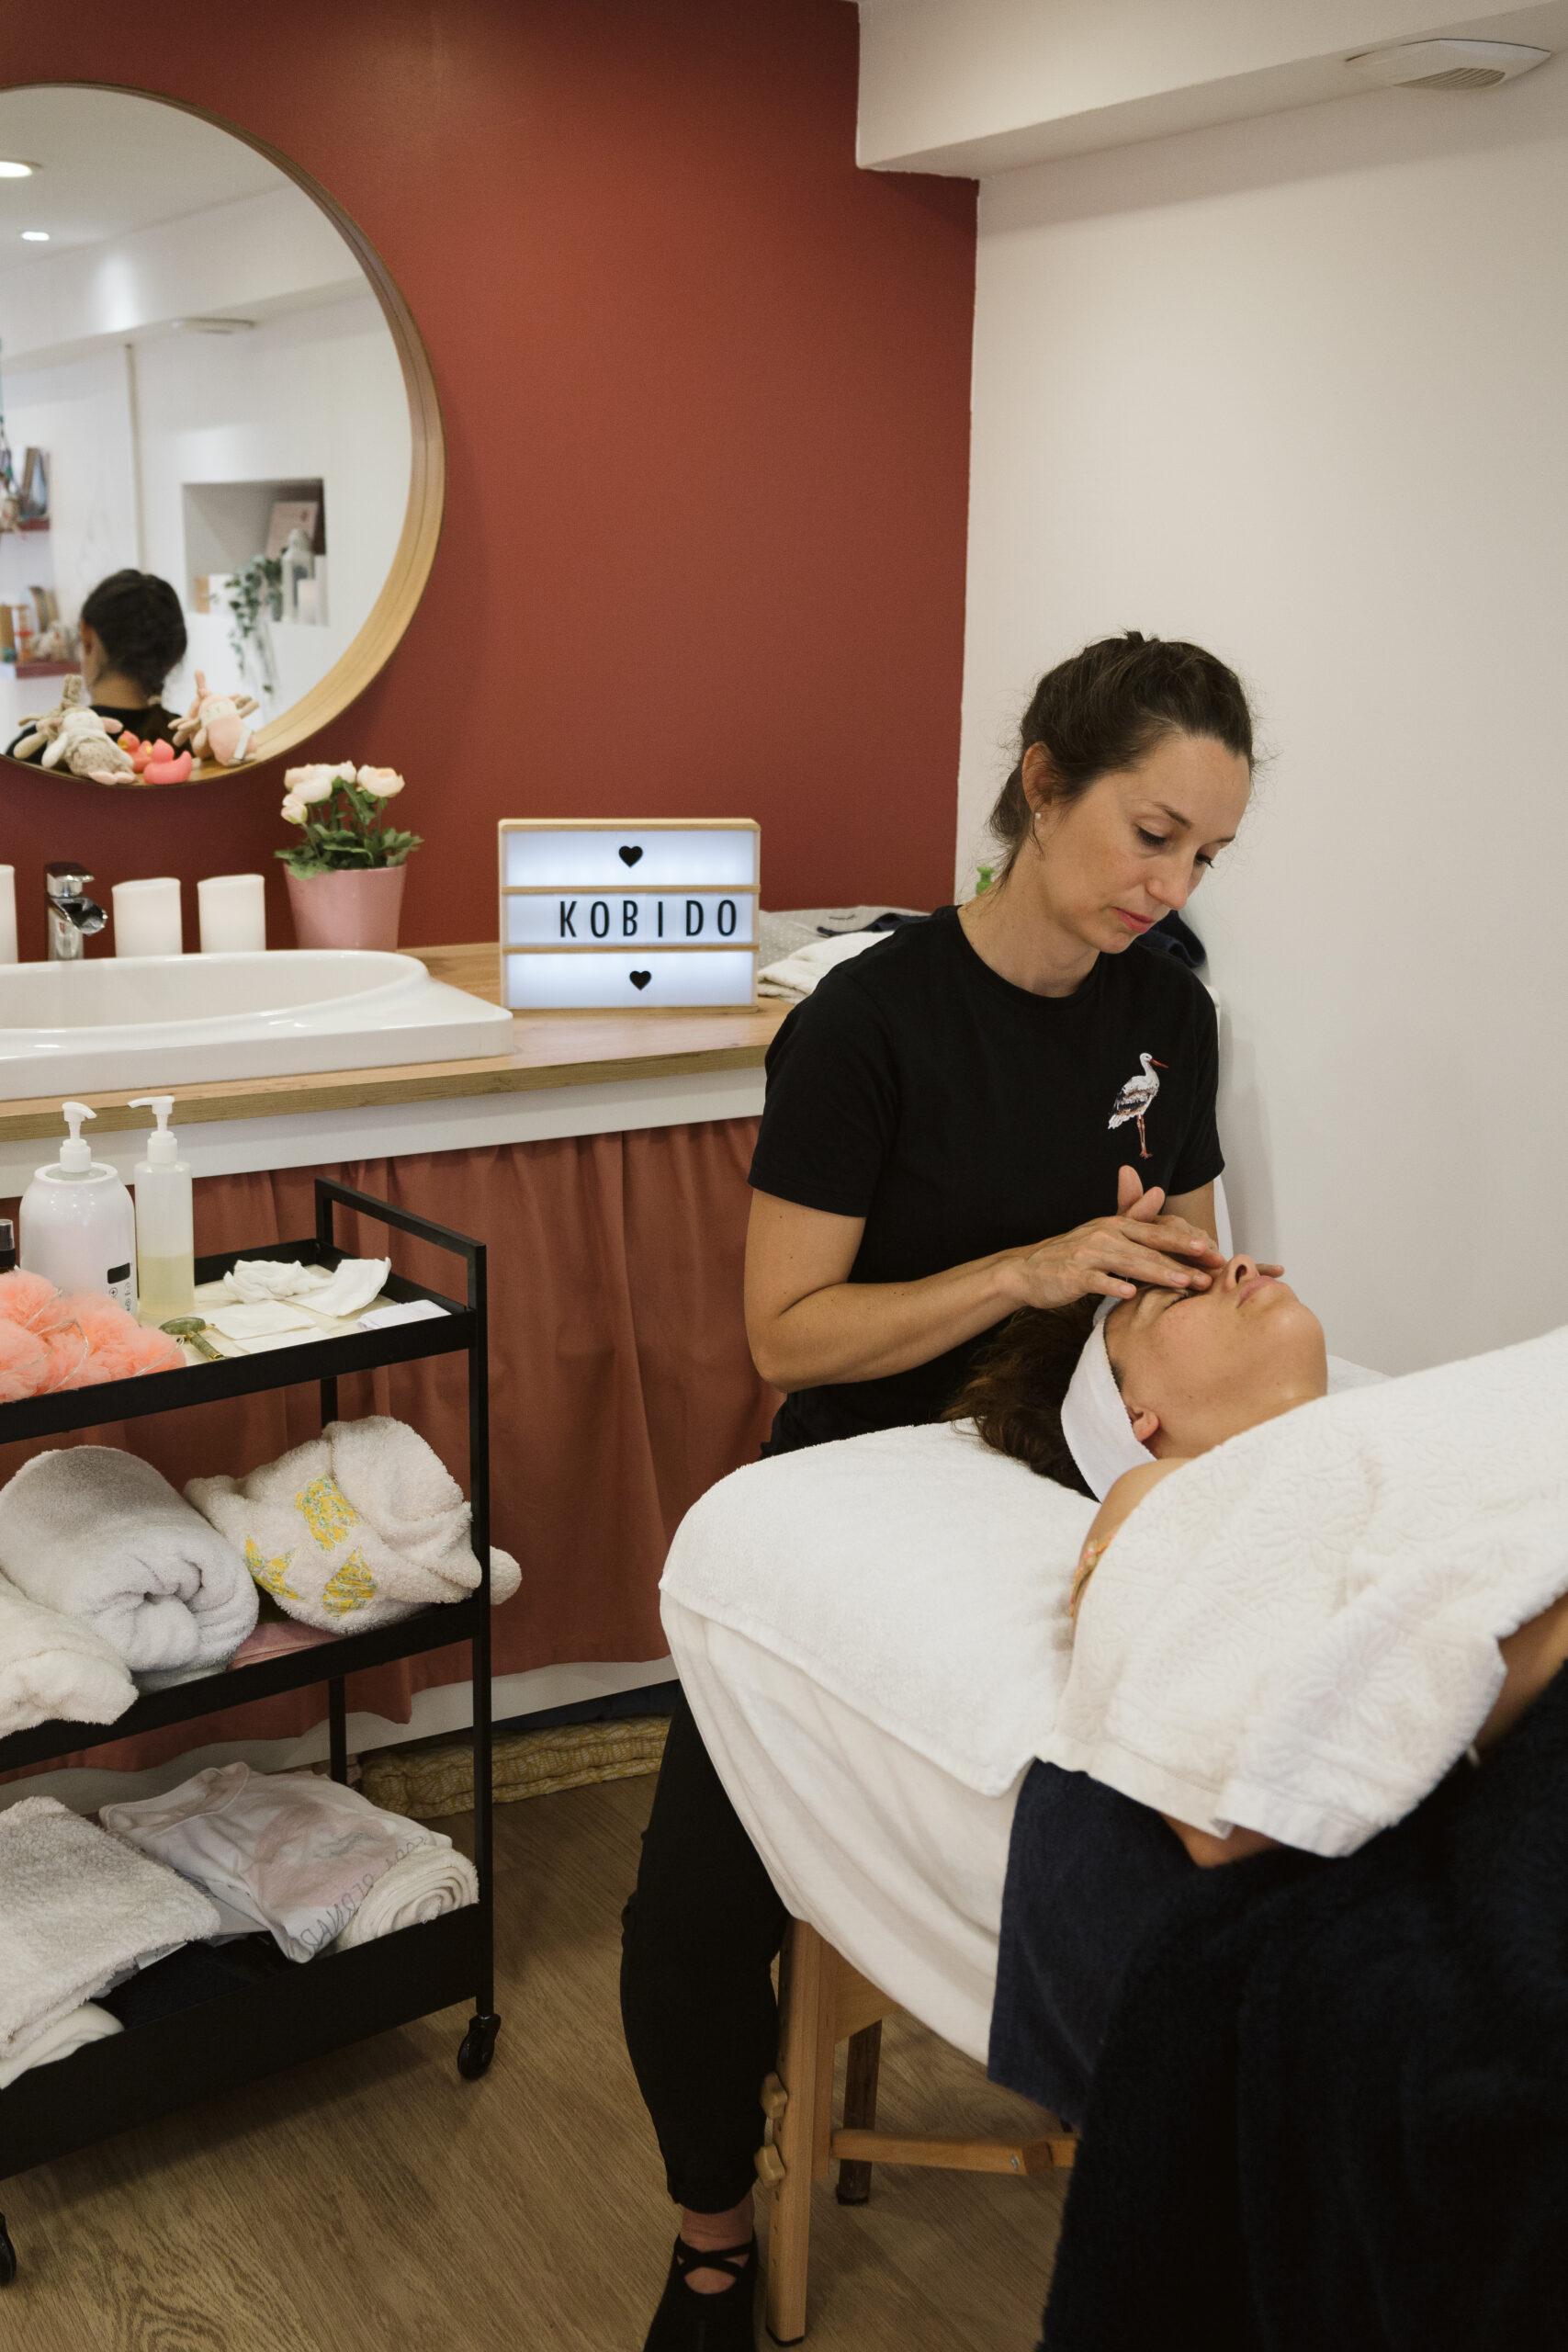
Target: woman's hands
<point>1110,1255</point>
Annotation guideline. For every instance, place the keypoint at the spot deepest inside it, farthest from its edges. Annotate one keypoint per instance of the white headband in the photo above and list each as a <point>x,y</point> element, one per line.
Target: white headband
<point>1094,1419</point>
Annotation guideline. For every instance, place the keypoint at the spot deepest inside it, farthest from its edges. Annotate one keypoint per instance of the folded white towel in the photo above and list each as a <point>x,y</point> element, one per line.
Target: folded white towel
<point>54,1668</point>
<point>797,974</point>
<point>357,1528</point>
<point>78,1911</point>
<point>57,2040</point>
<point>1299,1631</point>
<point>917,1574</point>
<point>98,1535</point>
<point>340,1291</point>
<point>425,1885</point>
<point>286,1851</point>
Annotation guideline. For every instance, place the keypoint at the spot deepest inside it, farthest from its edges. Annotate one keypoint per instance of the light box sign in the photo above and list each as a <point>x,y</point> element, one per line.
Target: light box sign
<point>657,914</point>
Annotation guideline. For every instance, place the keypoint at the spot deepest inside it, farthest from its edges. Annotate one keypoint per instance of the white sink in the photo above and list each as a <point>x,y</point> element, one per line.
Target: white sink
<point>129,1023</point>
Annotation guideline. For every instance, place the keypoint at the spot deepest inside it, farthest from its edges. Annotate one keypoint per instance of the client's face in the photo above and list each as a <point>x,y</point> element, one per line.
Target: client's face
<point>1196,1368</point>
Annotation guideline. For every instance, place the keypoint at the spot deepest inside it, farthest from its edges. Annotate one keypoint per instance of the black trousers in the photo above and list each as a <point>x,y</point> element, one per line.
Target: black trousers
<point>699,1938</point>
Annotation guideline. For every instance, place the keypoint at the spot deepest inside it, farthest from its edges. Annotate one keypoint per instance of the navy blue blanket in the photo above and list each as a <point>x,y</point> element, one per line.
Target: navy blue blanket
<point>1332,2107</point>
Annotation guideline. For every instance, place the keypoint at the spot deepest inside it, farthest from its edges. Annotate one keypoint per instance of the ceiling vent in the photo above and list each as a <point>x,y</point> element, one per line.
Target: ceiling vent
<point>1445,65</point>
<point>217,324</point>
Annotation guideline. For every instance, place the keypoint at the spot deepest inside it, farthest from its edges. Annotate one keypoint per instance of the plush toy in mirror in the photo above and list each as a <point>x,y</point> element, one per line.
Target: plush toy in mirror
<point>215,726</point>
<point>77,737</point>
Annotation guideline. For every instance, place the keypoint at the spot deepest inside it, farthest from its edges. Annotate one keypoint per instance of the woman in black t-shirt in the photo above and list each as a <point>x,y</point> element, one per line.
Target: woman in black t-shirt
<point>133,634</point>
<point>946,1122</point>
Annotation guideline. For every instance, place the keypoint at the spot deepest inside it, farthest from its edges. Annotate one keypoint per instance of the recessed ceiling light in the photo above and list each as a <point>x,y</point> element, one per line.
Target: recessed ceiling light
<point>17,171</point>
<point>35,236</point>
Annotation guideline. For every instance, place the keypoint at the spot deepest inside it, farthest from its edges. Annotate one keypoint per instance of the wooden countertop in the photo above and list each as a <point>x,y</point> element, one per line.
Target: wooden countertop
<point>548,1049</point>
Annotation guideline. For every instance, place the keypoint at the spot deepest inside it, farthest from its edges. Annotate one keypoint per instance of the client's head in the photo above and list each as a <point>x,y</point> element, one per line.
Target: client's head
<point>1191,1369</point>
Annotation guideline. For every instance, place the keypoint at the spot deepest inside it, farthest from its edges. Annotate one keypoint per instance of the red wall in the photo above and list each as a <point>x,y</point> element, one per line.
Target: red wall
<point>706,398</point>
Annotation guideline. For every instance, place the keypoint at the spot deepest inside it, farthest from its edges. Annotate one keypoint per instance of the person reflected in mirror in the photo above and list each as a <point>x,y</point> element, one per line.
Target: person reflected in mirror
<point>133,634</point>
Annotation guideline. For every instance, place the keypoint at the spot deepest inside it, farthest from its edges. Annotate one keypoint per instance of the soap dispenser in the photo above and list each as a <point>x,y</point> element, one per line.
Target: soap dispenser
<point>78,1228</point>
<point>165,1246</point>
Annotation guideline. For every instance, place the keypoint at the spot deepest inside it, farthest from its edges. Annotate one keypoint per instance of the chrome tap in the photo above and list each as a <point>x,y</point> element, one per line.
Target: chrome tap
<point>73,916</point>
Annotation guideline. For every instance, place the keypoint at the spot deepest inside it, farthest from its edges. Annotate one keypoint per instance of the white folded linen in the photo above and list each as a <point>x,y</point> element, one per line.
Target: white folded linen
<point>1298,1632</point>
<point>424,1885</point>
<point>78,1911</point>
<point>915,1572</point>
<point>53,1669</point>
<point>339,1291</point>
<point>57,2040</point>
<point>796,975</point>
<point>286,1852</point>
<point>357,1528</point>
<point>100,1535</point>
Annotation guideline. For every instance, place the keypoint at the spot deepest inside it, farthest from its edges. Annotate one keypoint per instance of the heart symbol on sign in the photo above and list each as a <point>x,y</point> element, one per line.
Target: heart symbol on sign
<point>639,979</point>
<point>628,856</point>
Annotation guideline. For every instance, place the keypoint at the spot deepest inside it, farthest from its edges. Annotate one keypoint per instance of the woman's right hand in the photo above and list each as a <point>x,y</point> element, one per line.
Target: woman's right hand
<point>1109,1256</point>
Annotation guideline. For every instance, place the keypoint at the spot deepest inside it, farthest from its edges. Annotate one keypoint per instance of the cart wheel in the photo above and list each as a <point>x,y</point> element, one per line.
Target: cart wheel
<point>8,2256</point>
<point>479,2048</point>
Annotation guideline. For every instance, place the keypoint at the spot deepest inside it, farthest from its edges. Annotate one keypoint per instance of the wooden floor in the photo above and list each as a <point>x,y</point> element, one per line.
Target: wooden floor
<point>376,2202</point>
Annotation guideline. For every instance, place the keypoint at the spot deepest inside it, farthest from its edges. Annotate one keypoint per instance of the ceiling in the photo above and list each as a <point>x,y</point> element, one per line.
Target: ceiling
<point>111,162</point>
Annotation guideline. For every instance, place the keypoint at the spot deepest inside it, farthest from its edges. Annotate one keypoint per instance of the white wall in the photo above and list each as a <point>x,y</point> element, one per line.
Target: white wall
<point>1296,389</point>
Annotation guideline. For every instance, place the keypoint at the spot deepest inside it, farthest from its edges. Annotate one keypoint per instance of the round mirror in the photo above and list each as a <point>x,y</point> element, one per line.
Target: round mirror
<point>220,455</point>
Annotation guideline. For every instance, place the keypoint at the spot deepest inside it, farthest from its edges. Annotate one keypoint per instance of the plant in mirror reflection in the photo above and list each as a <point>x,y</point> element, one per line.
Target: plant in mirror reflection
<point>255,598</point>
<point>341,811</point>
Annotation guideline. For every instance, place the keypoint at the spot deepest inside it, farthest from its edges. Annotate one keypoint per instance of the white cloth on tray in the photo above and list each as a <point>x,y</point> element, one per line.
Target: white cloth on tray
<point>357,1528</point>
<point>79,1910</point>
<point>1298,1632</point>
<point>342,1290</point>
<point>288,1852</point>
<point>57,2040</point>
<point>100,1535</point>
<point>54,1668</point>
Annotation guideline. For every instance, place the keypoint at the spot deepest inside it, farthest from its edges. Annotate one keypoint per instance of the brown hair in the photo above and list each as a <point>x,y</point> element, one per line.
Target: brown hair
<point>1107,708</point>
<point>1015,1388</point>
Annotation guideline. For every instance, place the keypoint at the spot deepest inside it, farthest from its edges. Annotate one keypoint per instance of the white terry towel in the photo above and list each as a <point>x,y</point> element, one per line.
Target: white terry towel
<point>54,1668</point>
<point>78,1911</point>
<point>425,1885</point>
<point>1298,1632</point>
<point>796,975</point>
<point>57,2040</point>
<point>286,1851</point>
<point>357,1528</point>
<point>917,1574</point>
<point>99,1534</point>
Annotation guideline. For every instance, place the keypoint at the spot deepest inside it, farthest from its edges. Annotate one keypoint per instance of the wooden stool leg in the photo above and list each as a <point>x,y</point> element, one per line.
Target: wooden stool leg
<point>801,2132</point>
<point>862,2068</point>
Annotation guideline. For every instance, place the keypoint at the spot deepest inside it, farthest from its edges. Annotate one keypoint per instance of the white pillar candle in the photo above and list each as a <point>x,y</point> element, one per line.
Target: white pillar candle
<point>233,913</point>
<point>7,915</point>
<point>147,917</point>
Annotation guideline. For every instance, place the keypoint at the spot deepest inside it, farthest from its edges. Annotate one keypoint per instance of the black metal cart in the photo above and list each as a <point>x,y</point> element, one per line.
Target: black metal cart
<point>307,2009</point>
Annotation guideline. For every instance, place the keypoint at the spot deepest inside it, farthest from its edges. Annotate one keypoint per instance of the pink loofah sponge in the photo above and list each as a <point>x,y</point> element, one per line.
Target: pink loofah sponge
<point>47,1342</point>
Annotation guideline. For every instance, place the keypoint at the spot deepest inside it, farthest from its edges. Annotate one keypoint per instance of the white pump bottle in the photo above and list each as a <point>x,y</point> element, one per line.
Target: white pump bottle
<point>78,1231</point>
<point>165,1247</point>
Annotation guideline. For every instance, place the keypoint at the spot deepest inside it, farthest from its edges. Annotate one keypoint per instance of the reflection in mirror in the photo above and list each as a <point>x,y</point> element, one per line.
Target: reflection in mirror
<point>216,447</point>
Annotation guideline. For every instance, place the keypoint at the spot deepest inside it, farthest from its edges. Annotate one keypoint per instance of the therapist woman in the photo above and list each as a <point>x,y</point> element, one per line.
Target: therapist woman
<point>947,1121</point>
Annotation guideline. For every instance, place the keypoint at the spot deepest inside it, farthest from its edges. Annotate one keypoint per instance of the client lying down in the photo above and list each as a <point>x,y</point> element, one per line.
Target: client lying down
<point>1292,1642</point>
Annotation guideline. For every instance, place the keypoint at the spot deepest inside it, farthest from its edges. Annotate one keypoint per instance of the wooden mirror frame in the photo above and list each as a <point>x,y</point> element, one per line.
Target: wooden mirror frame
<point>383,627</point>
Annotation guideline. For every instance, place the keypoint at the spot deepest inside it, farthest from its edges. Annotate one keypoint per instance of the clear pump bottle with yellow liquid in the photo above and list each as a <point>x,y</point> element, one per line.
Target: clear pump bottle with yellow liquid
<point>165,1239</point>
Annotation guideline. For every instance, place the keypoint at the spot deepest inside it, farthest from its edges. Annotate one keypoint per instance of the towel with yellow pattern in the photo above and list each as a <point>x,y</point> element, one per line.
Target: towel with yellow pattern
<point>357,1528</point>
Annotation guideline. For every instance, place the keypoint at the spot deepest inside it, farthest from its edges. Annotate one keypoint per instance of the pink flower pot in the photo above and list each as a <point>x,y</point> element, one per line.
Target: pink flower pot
<point>358,908</point>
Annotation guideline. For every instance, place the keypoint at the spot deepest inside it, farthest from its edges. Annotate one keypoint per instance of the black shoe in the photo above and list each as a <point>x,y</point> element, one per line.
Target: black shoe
<point>687,2322</point>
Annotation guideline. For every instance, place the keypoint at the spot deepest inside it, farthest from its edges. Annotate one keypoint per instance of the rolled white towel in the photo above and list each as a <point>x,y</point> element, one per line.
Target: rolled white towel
<point>425,1885</point>
<point>100,1535</point>
<point>53,1669</point>
<point>57,2040</point>
<point>355,1529</point>
<point>79,1910</point>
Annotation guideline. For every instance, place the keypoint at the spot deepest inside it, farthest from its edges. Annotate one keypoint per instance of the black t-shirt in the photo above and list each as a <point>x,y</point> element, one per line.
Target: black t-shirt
<point>959,1116</point>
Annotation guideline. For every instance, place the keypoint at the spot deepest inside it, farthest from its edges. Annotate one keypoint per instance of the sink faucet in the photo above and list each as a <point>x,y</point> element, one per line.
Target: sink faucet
<point>73,916</point>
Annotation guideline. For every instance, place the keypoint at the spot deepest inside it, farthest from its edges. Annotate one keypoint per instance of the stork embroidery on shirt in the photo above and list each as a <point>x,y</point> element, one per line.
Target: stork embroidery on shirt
<point>1136,1100</point>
